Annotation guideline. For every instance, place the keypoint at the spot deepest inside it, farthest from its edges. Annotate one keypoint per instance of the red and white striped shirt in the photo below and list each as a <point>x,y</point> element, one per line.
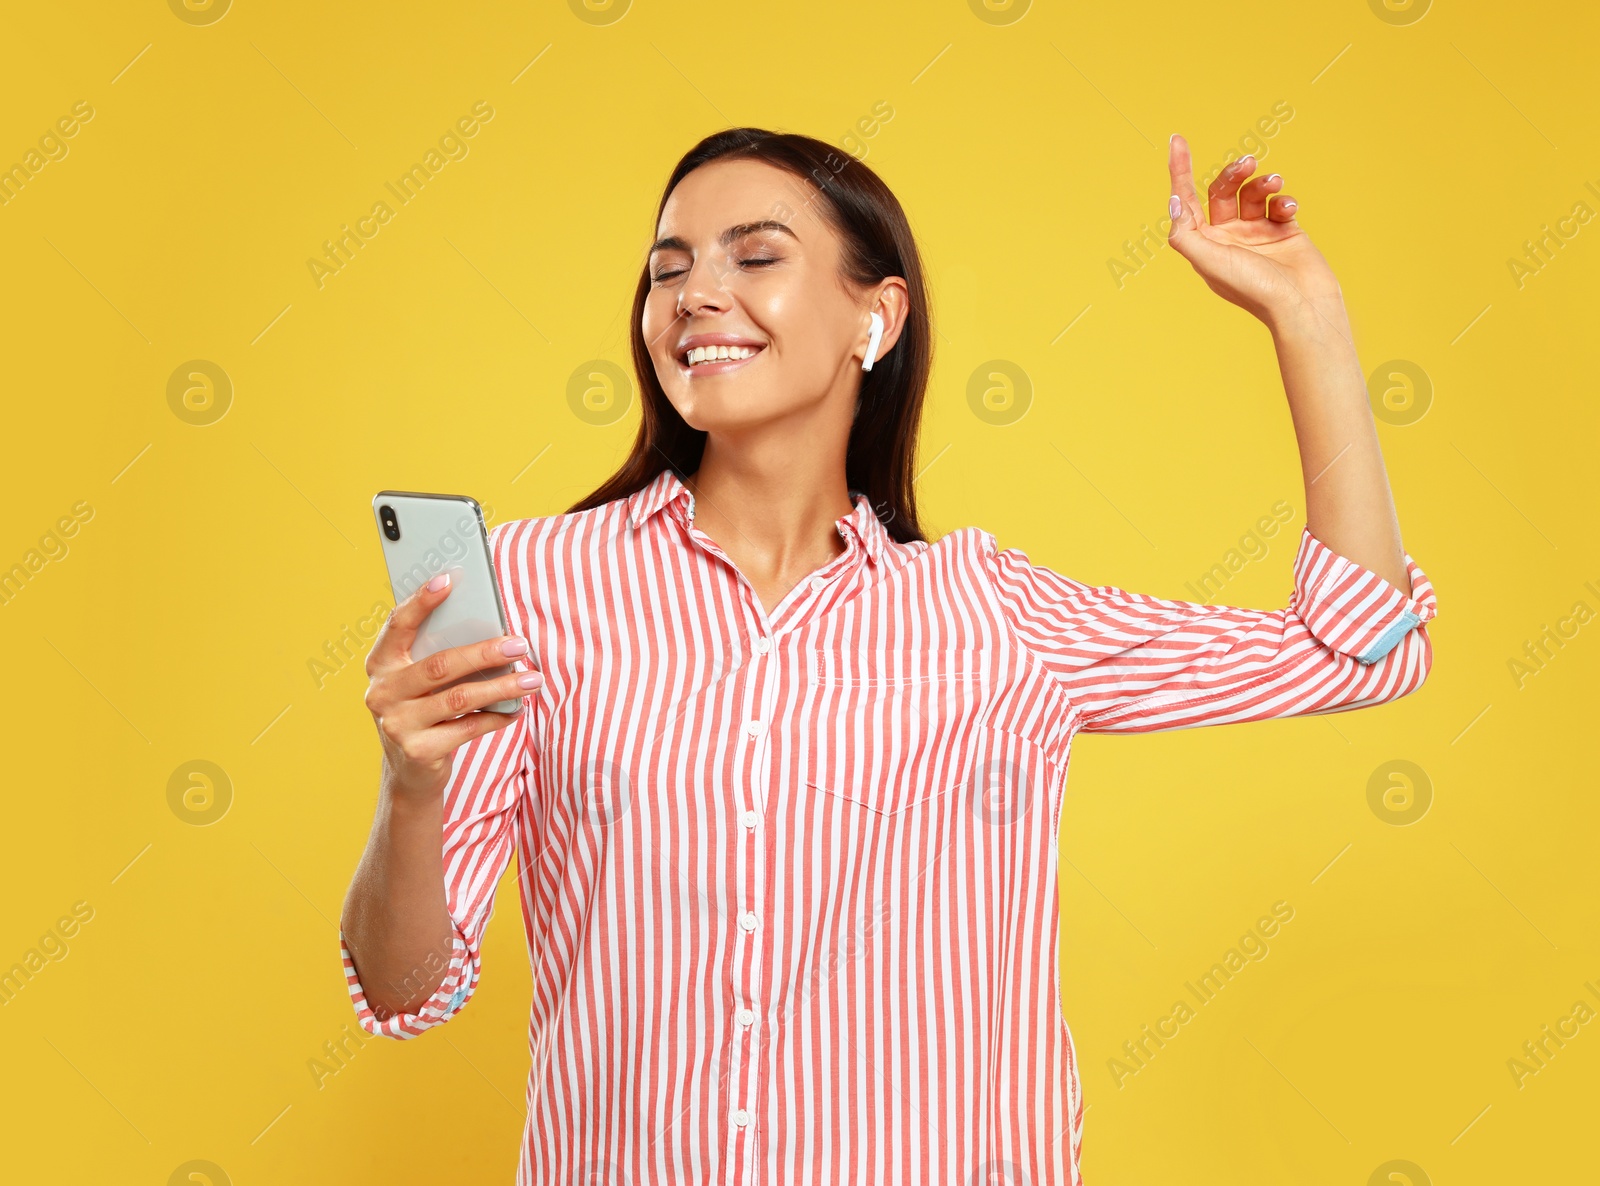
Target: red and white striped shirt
<point>789,878</point>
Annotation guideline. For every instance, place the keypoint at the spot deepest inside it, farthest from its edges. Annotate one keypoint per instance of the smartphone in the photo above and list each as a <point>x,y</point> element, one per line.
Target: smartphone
<point>426,534</point>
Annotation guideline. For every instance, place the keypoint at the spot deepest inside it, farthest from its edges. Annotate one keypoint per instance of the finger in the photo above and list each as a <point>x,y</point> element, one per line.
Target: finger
<point>471,696</point>
<point>479,723</point>
<point>446,737</point>
<point>1181,170</point>
<point>1184,210</point>
<point>1282,208</point>
<point>392,649</point>
<point>1223,193</point>
<point>432,672</point>
<point>1253,195</point>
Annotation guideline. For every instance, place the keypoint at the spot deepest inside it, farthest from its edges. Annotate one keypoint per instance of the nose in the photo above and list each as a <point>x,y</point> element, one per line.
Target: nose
<point>703,290</point>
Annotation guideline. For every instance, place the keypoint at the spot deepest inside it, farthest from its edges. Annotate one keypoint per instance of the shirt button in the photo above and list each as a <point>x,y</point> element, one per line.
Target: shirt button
<point>763,645</point>
<point>748,818</point>
<point>747,1017</point>
<point>817,582</point>
<point>754,728</point>
<point>741,1117</point>
<point>747,920</point>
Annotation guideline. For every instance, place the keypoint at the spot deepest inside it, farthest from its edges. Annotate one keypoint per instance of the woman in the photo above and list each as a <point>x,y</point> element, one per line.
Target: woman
<point>785,791</point>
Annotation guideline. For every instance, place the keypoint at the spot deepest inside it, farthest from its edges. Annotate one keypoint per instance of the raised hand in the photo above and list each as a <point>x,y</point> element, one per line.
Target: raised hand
<point>1252,252</point>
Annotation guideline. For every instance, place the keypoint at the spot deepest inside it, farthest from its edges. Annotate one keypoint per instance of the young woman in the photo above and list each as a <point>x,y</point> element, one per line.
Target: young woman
<point>785,790</point>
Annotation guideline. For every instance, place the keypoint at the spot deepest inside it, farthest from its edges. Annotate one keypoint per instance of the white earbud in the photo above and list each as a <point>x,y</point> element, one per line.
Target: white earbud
<point>872,342</point>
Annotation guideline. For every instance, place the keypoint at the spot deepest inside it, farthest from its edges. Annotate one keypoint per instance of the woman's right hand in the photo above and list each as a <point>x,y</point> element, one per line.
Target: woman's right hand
<point>420,720</point>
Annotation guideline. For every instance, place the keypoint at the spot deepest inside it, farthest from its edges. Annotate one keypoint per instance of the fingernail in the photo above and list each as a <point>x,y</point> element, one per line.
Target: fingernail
<point>1174,207</point>
<point>529,679</point>
<point>438,582</point>
<point>514,646</point>
<point>1275,177</point>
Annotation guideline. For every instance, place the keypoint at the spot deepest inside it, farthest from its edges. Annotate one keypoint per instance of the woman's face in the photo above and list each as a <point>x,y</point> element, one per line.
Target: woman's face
<point>744,260</point>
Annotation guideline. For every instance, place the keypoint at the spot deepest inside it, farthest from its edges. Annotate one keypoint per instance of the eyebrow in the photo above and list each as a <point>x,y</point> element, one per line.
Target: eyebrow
<point>674,243</point>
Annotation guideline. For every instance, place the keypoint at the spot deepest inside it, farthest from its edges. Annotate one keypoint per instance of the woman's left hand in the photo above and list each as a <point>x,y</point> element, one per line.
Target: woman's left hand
<point>1253,252</point>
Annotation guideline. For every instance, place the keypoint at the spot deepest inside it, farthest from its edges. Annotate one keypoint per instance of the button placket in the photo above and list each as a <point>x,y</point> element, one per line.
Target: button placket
<point>749,920</point>
<point>762,645</point>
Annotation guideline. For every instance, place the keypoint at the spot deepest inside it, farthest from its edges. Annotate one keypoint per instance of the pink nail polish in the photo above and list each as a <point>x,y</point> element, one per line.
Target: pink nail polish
<point>438,582</point>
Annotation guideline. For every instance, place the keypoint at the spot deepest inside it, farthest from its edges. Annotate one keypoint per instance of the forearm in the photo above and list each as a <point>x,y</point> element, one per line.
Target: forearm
<point>396,920</point>
<point>1349,506</point>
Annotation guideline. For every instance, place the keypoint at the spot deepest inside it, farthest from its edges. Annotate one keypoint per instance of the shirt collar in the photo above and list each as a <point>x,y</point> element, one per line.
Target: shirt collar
<point>666,488</point>
<point>654,495</point>
<point>864,523</point>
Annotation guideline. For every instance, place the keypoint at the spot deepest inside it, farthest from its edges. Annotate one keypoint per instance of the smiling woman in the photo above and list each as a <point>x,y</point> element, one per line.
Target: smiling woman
<point>786,789</point>
<point>823,243</point>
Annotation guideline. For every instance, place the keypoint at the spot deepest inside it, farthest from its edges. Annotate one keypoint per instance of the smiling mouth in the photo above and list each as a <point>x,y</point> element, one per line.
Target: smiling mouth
<point>709,363</point>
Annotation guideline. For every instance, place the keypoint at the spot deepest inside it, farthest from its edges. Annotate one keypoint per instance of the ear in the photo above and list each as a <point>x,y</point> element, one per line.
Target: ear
<point>891,301</point>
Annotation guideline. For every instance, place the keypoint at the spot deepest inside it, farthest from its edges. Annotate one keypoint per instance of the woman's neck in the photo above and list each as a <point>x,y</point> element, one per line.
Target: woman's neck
<point>774,516</point>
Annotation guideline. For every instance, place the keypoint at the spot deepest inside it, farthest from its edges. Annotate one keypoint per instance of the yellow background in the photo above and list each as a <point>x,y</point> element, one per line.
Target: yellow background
<point>221,558</point>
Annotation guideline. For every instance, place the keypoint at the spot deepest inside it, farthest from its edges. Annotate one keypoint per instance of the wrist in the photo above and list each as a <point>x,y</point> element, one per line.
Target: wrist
<point>413,806</point>
<point>1321,316</point>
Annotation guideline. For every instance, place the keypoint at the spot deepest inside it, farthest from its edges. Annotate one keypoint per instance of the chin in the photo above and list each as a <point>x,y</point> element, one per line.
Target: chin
<point>730,405</point>
<point>711,414</point>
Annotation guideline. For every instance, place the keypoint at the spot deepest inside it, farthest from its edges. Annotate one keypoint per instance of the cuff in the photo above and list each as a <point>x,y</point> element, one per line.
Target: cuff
<point>1351,609</point>
<point>460,979</point>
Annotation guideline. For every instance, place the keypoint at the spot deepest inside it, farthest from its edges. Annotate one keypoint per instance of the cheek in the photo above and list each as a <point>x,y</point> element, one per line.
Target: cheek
<point>656,324</point>
<point>781,305</point>
<point>657,313</point>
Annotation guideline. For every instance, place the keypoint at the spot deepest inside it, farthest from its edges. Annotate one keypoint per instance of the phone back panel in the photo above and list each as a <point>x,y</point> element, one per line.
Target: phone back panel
<point>438,533</point>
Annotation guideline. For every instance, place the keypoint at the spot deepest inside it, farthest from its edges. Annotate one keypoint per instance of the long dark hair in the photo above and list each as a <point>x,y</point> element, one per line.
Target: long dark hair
<point>877,243</point>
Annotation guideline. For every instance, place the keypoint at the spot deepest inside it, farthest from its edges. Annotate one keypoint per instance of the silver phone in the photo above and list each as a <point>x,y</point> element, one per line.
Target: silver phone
<point>426,534</point>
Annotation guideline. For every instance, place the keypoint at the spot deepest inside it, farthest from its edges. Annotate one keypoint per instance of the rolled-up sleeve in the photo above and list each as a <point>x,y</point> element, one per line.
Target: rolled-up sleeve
<point>489,781</point>
<point>1131,663</point>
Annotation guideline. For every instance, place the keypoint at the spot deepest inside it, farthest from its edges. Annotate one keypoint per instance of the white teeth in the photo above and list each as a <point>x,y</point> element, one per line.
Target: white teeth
<point>718,353</point>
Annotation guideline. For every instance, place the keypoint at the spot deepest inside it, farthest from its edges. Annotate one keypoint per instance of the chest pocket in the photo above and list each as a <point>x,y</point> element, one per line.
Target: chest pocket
<point>891,730</point>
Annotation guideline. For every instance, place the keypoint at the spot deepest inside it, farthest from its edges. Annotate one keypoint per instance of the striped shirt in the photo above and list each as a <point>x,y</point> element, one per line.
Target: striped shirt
<point>789,877</point>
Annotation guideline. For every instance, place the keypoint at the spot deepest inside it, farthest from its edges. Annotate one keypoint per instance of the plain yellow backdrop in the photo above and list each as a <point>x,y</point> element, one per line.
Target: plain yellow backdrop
<point>214,558</point>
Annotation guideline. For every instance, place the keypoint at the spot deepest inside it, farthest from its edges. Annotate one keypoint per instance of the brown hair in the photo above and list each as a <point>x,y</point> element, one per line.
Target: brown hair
<point>877,243</point>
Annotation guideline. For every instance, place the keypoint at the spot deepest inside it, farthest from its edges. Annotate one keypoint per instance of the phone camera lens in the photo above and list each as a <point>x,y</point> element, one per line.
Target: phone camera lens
<point>391,525</point>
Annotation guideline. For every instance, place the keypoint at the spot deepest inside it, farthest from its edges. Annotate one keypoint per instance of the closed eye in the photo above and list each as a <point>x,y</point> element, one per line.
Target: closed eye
<point>754,261</point>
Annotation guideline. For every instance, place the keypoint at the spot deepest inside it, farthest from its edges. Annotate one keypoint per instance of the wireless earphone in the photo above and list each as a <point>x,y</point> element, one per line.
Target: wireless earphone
<point>872,342</point>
